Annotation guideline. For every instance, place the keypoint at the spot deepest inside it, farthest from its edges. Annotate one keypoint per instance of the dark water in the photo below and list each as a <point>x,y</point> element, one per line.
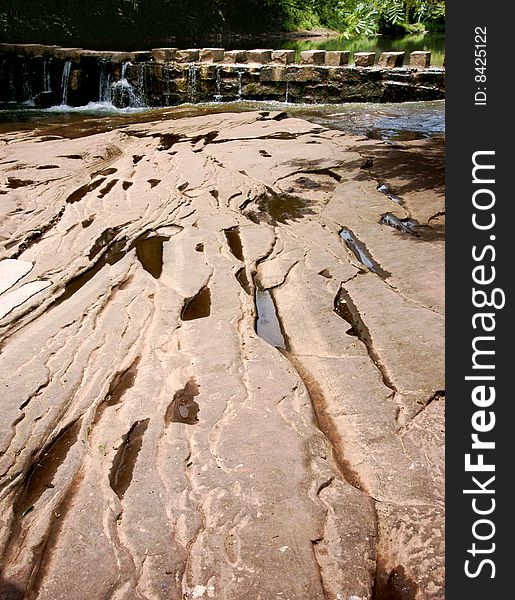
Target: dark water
<point>435,43</point>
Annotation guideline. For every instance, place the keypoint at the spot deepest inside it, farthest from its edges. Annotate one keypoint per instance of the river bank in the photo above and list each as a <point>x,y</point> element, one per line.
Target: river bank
<point>222,340</point>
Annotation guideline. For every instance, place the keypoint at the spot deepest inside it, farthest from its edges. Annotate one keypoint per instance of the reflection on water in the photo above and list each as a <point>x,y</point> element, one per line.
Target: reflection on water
<point>381,43</point>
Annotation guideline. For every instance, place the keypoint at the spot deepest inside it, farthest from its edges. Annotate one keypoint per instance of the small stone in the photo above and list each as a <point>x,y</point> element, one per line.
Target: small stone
<point>259,56</point>
<point>164,54</point>
<point>337,58</point>
<point>212,54</point>
<point>391,59</point>
<point>283,57</point>
<point>420,59</point>
<point>187,56</point>
<point>312,57</point>
<point>364,59</point>
<point>235,56</point>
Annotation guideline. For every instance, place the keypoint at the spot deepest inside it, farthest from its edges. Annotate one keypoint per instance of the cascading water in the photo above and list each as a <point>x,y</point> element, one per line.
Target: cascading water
<point>218,84</point>
<point>141,83</point>
<point>123,94</point>
<point>27,90</point>
<point>47,85</point>
<point>166,75</point>
<point>240,84</point>
<point>65,82</point>
<point>192,82</point>
<point>104,85</point>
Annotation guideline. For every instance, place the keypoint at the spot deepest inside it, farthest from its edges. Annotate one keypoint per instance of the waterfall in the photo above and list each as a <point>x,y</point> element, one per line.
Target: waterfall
<point>218,84</point>
<point>123,94</point>
<point>166,74</point>
<point>287,93</point>
<point>47,85</point>
<point>192,82</point>
<point>65,81</point>
<point>27,90</point>
<point>240,84</point>
<point>104,83</point>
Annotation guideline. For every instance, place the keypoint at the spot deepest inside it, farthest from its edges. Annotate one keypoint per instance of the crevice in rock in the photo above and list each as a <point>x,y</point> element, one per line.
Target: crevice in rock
<point>438,395</point>
<point>41,474</point>
<point>35,235</point>
<point>104,172</point>
<point>360,251</point>
<point>122,469</point>
<point>120,384</point>
<point>44,557</point>
<point>345,308</point>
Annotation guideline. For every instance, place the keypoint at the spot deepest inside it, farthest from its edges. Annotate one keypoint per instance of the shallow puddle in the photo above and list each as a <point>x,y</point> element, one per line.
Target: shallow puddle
<point>105,190</point>
<point>404,225</point>
<point>197,307</point>
<point>361,253</point>
<point>150,254</point>
<point>267,324</point>
<point>232,236</point>
<point>183,408</point>
<point>242,278</point>
<point>79,193</point>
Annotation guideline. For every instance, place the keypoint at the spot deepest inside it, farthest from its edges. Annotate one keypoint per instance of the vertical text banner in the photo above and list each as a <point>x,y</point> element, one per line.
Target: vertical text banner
<point>479,313</point>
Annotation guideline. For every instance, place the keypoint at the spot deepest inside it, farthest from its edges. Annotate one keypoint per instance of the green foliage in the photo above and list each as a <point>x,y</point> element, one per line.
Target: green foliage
<point>145,22</point>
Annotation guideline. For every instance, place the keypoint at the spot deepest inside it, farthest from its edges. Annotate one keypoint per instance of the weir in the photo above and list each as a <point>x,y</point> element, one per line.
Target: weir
<point>46,76</point>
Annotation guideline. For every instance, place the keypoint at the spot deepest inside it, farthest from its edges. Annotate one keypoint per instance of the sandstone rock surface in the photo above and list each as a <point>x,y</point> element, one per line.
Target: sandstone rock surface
<point>152,444</point>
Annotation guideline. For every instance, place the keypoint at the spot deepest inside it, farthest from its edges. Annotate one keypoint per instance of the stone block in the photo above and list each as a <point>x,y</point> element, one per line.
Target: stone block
<point>235,56</point>
<point>68,53</point>
<point>283,57</point>
<point>272,73</point>
<point>164,54</point>
<point>120,57</point>
<point>212,54</point>
<point>391,59</point>
<point>420,59</point>
<point>306,73</point>
<point>187,56</point>
<point>337,58</point>
<point>259,56</point>
<point>37,50</point>
<point>103,54</point>
<point>364,59</point>
<point>312,57</point>
<point>140,56</point>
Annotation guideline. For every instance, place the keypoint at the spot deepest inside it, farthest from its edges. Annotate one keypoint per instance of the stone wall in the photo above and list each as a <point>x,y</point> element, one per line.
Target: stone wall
<point>50,75</point>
